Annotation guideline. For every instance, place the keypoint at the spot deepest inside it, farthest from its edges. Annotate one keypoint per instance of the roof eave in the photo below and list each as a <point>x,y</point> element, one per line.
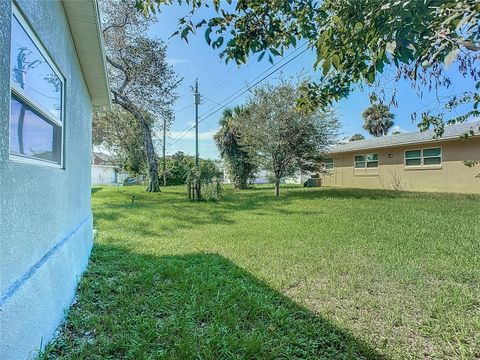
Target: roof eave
<point>442,139</point>
<point>84,21</point>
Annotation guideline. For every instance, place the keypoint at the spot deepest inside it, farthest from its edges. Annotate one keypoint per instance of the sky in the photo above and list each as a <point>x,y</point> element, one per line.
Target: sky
<point>218,81</point>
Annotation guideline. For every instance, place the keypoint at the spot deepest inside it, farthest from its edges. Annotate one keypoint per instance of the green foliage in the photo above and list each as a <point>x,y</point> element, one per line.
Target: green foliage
<point>120,133</point>
<point>280,137</point>
<point>240,165</point>
<point>378,120</point>
<point>180,167</point>
<point>356,137</point>
<point>203,182</point>
<point>354,41</point>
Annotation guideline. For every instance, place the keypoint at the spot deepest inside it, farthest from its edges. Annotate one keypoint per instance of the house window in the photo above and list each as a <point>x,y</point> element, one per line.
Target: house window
<point>366,161</point>
<point>36,106</point>
<point>423,157</point>
<point>329,164</point>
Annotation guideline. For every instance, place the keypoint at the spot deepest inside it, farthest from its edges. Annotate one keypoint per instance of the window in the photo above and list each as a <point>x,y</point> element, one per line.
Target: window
<point>366,161</point>
<point>423,157</point>
<point>36,115</point>
<point>329,164</point>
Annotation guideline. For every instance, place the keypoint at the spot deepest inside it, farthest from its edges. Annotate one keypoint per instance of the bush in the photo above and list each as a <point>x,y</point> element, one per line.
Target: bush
<point>203,183</point>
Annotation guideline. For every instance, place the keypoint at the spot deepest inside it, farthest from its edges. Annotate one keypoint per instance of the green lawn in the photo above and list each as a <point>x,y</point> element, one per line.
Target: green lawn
<point>318,273</point>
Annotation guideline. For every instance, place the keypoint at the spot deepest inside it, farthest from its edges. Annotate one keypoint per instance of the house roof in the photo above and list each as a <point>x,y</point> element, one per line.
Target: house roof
<point>84,21</point>
<point>104,158</point>
<point>451,132</point>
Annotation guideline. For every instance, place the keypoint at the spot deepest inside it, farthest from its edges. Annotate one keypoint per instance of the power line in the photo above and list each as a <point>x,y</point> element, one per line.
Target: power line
<point>183,109</point>
<point>228,101</point>
<point>265,71</point>
<point>250,87</point>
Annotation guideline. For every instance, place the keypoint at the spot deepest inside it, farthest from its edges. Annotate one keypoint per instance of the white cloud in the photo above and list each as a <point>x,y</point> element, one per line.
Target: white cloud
<point>396,128</point>
<point>174,61</point>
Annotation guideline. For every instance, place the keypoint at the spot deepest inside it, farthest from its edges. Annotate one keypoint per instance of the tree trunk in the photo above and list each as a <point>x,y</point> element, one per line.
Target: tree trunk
<point>277,187</point>
<point>154,181</point>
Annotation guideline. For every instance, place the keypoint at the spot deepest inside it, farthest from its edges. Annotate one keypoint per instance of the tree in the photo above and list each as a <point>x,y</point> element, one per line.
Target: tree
<point>239,163</point>
<point>282,138</point>
<point>141,81</point>
<point>355,42</point>
<point>378,120</point>
<point>356,137</point>
<point>120,133</point>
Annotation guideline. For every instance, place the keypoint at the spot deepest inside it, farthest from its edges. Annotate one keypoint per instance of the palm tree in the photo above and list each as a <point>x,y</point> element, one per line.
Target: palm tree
<point>378,120</point>
<point>238,161</point>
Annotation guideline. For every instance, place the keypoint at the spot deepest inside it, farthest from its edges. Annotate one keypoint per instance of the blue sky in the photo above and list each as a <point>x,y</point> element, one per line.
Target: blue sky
<point>218,81</point>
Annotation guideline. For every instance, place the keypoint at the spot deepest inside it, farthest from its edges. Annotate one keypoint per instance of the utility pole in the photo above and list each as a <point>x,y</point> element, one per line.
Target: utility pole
<point>164,158</point>
<point>196,96</point>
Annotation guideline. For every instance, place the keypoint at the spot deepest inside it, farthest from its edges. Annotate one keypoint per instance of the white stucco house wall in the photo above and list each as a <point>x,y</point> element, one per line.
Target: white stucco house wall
<point>52,75</point>
<point>105,171</point>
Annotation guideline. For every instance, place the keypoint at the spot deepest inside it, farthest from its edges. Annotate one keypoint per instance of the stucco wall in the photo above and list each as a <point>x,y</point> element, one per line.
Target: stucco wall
<point>451,176</point>
<point>45,216</point>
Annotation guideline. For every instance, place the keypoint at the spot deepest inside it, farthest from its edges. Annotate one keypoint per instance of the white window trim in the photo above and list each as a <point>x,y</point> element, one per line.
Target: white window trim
<point>422,166</point>
<point>366,161</point>
<point>32,103</point>
<point>333,165</point>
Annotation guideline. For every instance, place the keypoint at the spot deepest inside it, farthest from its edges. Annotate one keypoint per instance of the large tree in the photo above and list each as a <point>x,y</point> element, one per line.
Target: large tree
<point>283,139</point>
<point>240,164</point>
<point>120,133</point>
<point>141,80</point>
<point>355,42</point>
<point>378,120</point>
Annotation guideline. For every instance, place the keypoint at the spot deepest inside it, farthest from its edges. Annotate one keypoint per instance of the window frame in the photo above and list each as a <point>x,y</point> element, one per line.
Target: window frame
<point>36,106</point>
<point>327,163</point>
<point>422,165</point>
<point>366,161</point>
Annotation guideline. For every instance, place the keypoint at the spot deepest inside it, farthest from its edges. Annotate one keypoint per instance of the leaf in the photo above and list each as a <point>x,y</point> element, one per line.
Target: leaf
<point>371,75</point>
<point>207,35</point>
<point>262,54</point>
<point>274,52</point>
<point>327,63</point>
<point>201,23</point>
<point>336,62</point>
<point>184,33</point>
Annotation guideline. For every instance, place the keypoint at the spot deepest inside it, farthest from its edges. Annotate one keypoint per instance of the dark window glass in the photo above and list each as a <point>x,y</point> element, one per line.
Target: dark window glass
<point>431,152</point>
<point>33,136</point>
<point>413,162</point>
<point>432,161</point>
<point>412,154</point>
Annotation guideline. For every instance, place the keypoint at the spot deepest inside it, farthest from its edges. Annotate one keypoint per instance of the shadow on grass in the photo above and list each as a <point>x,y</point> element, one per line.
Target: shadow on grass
<point>198,306</point>
<point>96,189</point>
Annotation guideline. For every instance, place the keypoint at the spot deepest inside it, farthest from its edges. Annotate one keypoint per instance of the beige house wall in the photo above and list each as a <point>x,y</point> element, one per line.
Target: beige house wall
<point>451,176</point>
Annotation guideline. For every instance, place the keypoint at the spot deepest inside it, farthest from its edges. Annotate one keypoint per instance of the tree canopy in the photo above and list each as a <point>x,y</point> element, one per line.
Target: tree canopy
<point>141,80</point>
<point>378,120</point>
<point>238,161</point>
<point>119,132</point>
<point>282,139</point>
<point>356,137</point>
<point>354,41</point>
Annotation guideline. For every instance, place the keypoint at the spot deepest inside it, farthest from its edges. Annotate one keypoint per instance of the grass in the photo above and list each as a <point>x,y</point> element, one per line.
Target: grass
<point>318,273</point>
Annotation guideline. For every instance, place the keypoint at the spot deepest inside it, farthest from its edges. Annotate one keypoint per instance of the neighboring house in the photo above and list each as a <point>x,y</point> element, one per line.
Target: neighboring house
<point>52,74</point>
<point>409,161</point>
<point>105,172</point>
